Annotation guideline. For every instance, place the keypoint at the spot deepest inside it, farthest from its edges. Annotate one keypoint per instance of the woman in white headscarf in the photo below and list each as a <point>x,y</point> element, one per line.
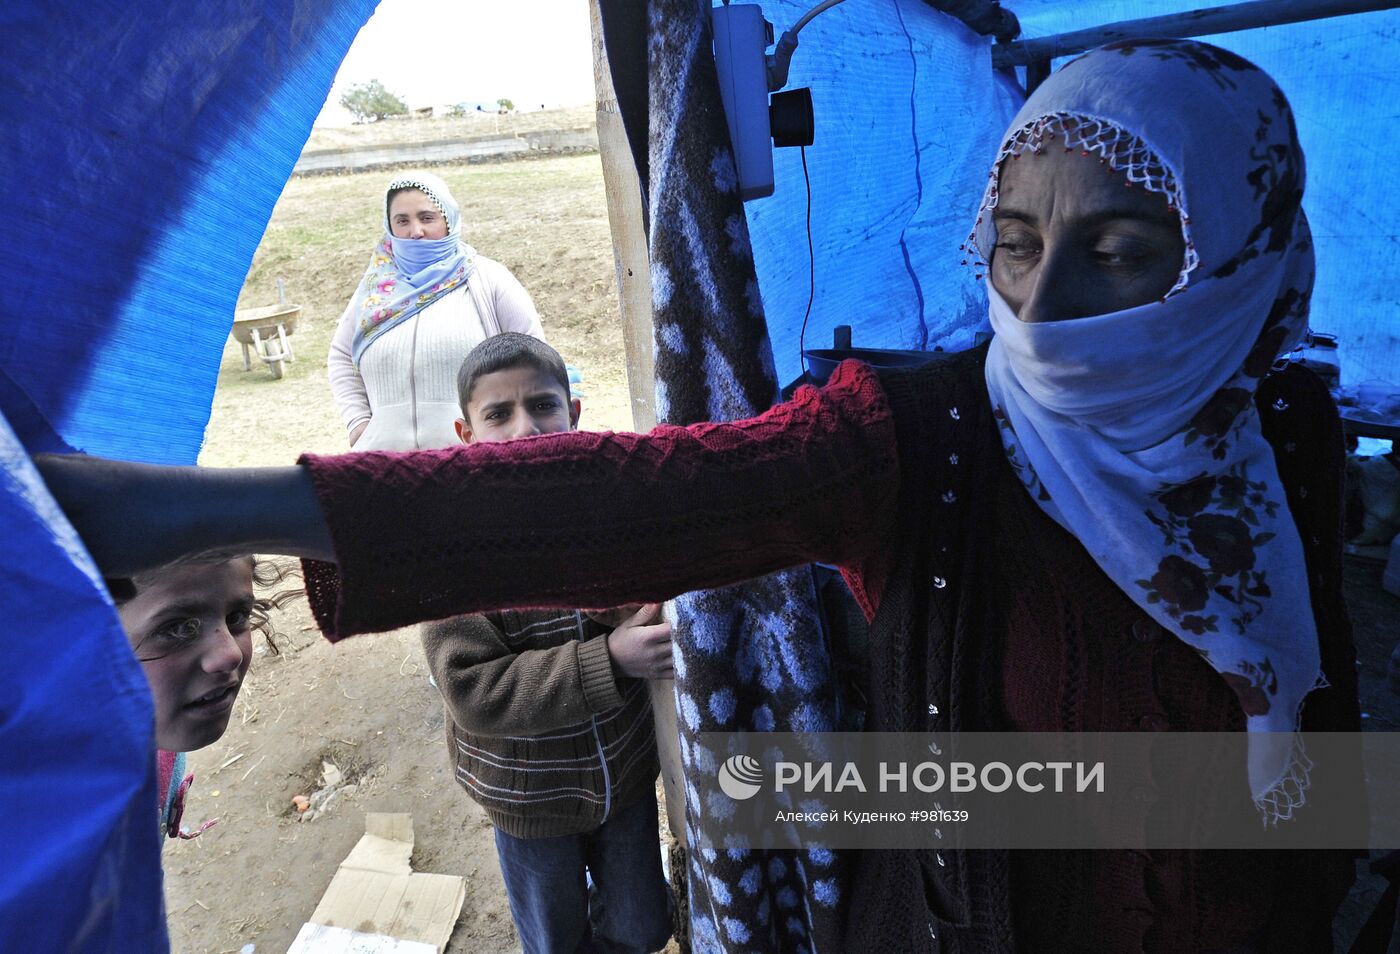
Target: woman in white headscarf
<point>426,299</point>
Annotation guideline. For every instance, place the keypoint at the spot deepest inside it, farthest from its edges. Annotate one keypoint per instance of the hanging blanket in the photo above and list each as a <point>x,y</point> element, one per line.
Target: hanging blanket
<point>750,657</point>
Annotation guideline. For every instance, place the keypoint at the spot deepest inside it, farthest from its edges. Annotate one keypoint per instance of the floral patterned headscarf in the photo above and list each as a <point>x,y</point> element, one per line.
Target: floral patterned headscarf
<point>405,276</point>
<point>1137,430</point>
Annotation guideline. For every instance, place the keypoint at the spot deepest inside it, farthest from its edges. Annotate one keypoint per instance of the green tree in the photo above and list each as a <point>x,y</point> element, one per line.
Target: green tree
<point>505,105</point>
<point>371,102</point>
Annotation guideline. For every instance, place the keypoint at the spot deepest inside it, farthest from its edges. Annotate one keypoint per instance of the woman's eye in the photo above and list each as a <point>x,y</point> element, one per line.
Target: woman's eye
<point>1120,255</point>
<point>239,620</point>
<point>1017,249</point>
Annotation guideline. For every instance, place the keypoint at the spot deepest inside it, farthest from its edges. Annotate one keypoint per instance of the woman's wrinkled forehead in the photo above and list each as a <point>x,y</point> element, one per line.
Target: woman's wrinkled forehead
<point>1217,126</point>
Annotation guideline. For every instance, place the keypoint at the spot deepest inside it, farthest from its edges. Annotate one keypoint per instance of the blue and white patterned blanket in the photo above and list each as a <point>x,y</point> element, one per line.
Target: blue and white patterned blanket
<point>750,657</point>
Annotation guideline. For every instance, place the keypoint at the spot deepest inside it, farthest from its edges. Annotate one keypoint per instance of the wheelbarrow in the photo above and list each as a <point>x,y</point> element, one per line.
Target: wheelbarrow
<point>265,331</point>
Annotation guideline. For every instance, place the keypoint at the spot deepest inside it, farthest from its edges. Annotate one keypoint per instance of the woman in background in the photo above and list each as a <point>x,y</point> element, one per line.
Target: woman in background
<point>426,299</point>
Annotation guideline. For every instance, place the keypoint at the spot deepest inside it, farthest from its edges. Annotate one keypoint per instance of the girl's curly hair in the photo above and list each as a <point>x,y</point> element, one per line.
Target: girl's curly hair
<point>267,574</point>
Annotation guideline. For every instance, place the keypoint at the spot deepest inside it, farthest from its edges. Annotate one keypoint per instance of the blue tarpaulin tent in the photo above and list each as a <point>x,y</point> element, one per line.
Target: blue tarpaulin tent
<point>146,145</point>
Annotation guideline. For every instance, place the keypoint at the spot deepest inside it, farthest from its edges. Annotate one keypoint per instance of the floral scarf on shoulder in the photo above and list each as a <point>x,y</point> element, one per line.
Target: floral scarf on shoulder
<point>1136,430</point>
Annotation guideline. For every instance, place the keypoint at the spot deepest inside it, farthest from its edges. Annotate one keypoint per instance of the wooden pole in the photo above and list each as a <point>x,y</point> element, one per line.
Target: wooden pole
<point>624,196</point>
<point>1207,22</point>
<point>633,267</point>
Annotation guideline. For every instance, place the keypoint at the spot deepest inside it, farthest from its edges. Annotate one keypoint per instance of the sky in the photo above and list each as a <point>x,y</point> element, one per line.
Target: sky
<point>438,52</point>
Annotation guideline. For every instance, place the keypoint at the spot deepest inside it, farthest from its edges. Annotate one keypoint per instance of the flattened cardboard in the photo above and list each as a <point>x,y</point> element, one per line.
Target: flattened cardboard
<point>319,939</point>
<point>375,892</point>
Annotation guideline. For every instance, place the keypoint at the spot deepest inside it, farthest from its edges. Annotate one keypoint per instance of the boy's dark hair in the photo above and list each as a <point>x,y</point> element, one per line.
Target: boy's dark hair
<point>510,349</point>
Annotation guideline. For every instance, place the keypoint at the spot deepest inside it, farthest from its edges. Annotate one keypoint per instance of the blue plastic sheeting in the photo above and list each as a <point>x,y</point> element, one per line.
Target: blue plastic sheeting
<point>1342,77</point>
<point>78,801</point>
<point>908,113</point>
<point>146,145</point>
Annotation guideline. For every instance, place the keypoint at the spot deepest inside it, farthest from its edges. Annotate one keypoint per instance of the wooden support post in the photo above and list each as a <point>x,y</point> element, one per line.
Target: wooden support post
<point>624,195</point>
<point>1206,22</point>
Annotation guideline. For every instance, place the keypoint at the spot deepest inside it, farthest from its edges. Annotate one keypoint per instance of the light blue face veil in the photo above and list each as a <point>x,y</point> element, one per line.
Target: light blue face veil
<point>1137,430</point>
<point>404,276</point>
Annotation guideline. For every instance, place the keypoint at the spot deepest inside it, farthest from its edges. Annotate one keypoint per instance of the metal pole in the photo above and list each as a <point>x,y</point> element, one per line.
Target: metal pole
<point>1239,16</point>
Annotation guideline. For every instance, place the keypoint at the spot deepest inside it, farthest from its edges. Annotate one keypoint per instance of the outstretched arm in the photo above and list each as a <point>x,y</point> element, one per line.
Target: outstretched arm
<point>559,520</point>
<point>135,517</point>
<point>595,520</point>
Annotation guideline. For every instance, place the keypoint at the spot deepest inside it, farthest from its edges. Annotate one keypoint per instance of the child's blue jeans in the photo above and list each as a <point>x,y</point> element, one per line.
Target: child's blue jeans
<point>628,908</point>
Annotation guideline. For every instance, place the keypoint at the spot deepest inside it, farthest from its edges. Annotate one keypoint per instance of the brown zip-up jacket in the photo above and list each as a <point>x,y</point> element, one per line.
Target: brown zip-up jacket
<point>540,731</point>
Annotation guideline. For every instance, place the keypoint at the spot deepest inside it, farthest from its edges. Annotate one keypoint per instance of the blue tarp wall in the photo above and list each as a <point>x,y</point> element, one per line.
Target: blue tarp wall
<point>145,146</point>
<point>908,114</point>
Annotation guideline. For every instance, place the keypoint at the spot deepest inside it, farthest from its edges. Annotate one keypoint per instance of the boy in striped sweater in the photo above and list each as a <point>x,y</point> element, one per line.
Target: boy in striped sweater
<point>549,724</point>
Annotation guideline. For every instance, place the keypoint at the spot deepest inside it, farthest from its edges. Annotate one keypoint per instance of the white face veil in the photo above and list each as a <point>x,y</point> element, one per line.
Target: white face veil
<point>1137,430</point>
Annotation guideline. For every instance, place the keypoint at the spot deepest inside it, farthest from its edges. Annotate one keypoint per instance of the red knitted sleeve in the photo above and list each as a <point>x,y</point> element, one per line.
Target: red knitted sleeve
<point>597,520</point>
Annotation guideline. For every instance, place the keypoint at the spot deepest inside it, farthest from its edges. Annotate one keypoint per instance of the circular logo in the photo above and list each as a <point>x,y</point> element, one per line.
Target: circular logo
<point>740,777</point>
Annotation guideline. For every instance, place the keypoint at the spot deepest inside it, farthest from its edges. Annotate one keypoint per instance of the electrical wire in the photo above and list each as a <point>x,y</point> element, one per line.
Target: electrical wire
<point>806,18</point>
<point>781,58</point>
<point>811,269</point>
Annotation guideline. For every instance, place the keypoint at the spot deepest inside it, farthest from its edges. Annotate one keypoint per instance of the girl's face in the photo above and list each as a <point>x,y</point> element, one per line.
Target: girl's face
<point>412,215</point>
<point>191,629</point>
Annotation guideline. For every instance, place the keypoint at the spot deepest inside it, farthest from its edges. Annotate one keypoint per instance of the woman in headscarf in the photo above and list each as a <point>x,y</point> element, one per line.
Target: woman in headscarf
<point>426,299</point>
<point>1112,518</point>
